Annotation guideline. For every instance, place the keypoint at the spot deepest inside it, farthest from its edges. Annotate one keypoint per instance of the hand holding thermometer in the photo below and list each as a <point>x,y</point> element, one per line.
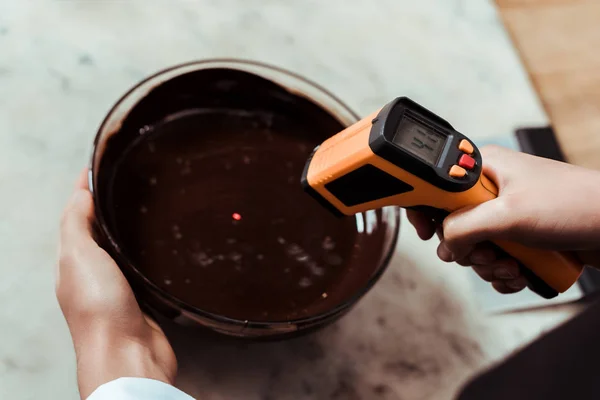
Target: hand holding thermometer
<point>405,155</point>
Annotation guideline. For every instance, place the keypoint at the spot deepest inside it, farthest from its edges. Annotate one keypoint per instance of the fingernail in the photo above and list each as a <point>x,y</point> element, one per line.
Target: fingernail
<point>503,273</point>
<point>444,253</point>
<point>516,285</point>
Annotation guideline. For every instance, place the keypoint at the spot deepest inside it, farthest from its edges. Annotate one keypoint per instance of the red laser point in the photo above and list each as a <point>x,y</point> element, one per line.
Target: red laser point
<point>236,216</point>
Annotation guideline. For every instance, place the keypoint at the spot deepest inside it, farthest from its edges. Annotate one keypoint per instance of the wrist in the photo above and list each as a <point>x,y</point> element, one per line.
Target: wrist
<point>104,355</point>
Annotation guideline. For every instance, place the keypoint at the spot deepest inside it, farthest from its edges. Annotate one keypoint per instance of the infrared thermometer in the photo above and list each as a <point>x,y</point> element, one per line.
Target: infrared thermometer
<point>404,155</point>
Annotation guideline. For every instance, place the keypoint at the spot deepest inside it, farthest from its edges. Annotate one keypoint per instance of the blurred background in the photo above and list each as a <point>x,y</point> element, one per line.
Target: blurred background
<point>491,68</point>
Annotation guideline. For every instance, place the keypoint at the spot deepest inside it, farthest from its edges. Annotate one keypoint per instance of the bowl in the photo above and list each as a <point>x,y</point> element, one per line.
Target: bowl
<point>195,175</point>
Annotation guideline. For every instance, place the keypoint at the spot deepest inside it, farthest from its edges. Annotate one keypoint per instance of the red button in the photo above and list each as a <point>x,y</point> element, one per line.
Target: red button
<point>466,161</point>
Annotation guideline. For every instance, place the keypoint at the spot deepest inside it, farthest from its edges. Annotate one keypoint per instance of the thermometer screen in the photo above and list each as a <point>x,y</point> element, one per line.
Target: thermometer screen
<point>419,140</point>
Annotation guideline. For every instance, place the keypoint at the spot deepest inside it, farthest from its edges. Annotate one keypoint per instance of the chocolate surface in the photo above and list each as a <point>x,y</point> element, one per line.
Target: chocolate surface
<point>202,192</point>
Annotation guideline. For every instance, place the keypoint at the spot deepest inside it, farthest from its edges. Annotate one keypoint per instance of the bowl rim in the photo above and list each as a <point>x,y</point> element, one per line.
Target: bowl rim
<point>228,63</point>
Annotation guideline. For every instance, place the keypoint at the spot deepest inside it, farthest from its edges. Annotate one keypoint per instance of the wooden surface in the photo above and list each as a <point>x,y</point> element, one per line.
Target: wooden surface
<point>559,42</point>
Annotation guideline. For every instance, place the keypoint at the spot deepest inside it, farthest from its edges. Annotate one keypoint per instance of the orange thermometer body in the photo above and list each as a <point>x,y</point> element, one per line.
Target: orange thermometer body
<point>405,155</point>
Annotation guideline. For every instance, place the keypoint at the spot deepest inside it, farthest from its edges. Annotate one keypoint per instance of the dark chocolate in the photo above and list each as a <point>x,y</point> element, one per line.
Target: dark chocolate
<point>201,188</point>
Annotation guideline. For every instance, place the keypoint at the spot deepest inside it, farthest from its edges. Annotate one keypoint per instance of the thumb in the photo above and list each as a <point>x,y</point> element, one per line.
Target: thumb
<point>78,216</point>
<point>77,219</point>
<point>76,241</point>
<point>501,164</point>
<point>464,228</point>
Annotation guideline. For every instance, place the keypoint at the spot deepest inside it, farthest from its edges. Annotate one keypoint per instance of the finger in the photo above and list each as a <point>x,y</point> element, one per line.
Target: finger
<point>77,219</point>
<point>448,254</point>
<point>474,224</point>
<point>499,164</point>
<point>82,179</point>
<point>484,254</point>
<point>465,262</point>
<point>424,226</point>
<point>485,272</point>
<point>506,287</point>
<point>500,287</point>
<point>75,238</point>
<point>506,269</point>
<point>78,204</point>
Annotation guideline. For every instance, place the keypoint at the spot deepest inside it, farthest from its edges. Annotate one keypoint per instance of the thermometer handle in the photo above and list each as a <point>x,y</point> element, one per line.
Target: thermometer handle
<point>548,272</point>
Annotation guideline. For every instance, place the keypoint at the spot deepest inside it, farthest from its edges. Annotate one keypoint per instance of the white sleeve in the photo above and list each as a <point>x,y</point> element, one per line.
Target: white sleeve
<point>137,389</point>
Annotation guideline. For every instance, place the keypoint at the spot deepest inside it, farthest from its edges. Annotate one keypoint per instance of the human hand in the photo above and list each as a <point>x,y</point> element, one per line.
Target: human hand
<point>111,335</point>
<point>541,203</point>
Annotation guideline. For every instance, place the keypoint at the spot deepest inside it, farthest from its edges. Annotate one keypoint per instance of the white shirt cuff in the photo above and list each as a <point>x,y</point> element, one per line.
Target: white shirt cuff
<point>138,389</point>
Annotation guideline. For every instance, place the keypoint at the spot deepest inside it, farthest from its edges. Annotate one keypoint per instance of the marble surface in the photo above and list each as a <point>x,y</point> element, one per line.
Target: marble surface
<point>418,335</point>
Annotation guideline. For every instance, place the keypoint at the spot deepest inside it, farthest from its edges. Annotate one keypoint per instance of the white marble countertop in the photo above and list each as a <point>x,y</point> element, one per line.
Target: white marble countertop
<point>417,335</point>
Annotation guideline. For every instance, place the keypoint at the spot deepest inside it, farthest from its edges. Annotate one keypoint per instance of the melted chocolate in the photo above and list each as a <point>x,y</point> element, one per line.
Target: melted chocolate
<point>203,194</point>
